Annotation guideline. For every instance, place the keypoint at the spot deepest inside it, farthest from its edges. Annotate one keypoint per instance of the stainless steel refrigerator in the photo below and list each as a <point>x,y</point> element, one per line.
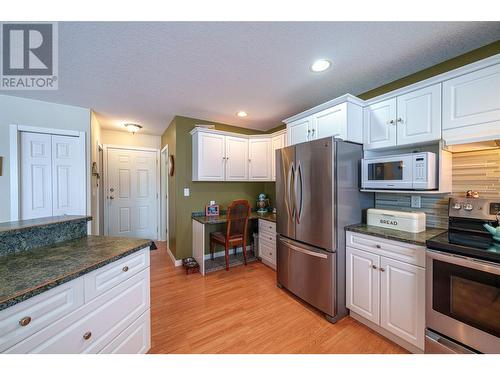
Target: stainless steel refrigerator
<point>317,195</point>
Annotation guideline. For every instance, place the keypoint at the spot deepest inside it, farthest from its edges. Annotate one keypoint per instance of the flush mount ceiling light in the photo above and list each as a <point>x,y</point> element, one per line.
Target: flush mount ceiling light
<point>320,65</point>
<point>133,128</point>
<point>241,114</point>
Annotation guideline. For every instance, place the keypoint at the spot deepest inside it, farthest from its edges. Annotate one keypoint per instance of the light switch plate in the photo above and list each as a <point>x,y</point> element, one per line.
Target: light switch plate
<point>186,192</point>
<point>416,201</point>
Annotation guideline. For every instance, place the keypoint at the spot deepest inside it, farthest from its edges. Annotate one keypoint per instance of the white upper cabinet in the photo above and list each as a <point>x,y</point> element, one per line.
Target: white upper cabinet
<point>419,116</point>
<point>225,156</point>
<point>411,118</point>
<point>379,125</point>
<point>341,117</point>
<point>209,152</point>
<point>277,142</point>
<point>259,161</point>
<point>300,130</point>
<point>236,159</point>
<point>471,106</point>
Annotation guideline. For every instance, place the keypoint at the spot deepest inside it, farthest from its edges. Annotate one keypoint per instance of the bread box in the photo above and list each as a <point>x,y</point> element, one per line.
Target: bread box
<point>413,222</point>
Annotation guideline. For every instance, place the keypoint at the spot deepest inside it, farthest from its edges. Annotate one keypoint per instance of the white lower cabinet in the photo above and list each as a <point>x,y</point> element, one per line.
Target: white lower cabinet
<point>267,242</point>
<point>363,285</point>
<point>387,292</point>
<point>402,308</point>
<point>115,320</point>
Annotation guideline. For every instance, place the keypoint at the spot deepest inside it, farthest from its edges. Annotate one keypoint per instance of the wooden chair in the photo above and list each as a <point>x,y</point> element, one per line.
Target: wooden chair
<point>238,213</point>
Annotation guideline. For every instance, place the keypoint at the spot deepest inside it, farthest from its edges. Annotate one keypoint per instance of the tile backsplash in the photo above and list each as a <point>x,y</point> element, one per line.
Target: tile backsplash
<point>475,170</point>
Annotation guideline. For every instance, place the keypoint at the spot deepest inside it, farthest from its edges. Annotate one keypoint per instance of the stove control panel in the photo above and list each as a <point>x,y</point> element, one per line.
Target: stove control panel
<point>474,208</point>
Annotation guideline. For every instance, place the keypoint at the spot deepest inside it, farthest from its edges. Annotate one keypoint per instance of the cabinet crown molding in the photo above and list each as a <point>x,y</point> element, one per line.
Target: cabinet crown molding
<point>347,98</point>
<point>201,129</point>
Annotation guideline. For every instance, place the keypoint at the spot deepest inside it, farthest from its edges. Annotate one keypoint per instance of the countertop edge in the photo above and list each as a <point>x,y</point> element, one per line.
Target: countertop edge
<point>43,225</point>
<point>361,228</point>
<point>28,293</point>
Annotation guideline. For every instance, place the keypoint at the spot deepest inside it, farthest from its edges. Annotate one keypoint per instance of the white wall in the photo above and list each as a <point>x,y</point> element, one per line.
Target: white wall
<point>95,204</point>
<point>20,111</point>
<point>125,138</point>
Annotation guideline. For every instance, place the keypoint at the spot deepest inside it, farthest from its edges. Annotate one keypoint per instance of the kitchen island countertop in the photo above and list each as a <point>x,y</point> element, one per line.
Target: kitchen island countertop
<point>28,273</point>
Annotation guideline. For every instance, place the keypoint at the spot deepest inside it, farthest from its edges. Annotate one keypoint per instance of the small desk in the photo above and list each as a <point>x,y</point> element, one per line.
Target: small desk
<point>199,223</point>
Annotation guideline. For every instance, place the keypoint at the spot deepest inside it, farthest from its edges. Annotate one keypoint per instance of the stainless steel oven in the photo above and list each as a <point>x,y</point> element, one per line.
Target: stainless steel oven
<point>463,300</point>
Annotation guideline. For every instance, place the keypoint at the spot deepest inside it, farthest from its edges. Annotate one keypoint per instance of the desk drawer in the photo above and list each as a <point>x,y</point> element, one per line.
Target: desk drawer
<point>402,251</point>
<point>104,318</point>
<point>269,237</point>
<point>268,226</point>
<point>39,312</point>
<point>105,278</point>
<point>267,251</point>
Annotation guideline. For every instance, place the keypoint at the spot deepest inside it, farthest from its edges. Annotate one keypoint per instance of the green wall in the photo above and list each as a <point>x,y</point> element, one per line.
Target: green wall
<point>179,140</point>
<point>456,62</point>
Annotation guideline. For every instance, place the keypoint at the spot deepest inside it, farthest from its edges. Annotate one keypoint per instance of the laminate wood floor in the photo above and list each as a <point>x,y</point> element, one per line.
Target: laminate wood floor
<point>242,311</point>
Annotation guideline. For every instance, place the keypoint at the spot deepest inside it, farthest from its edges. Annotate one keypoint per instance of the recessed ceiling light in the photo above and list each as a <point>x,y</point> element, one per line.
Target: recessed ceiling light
<point>241,114</point>
<point>320,65</point>
<point>133,128</point>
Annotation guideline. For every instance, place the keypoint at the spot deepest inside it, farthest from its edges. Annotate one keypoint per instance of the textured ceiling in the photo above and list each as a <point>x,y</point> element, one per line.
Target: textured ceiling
<point>149,72</point>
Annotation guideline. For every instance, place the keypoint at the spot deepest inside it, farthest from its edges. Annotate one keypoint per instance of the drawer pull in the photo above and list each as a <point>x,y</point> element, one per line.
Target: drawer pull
<point>378,246</point>
<point>25,321</point>
<point>87,335</point>
<point>125,269</point>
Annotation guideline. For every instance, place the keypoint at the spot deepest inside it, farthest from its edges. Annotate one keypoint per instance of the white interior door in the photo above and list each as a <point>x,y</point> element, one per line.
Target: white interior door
<point>131,193</point>
<point>36,175</point>
<point>68,176</point>
<point>52,175</point>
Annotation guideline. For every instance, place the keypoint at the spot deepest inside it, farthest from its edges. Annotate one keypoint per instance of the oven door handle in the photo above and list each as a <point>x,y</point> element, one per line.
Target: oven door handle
<point>477,264</point>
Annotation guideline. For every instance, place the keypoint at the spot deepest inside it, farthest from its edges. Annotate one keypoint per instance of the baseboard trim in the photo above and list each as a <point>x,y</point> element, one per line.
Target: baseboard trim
<point>391,336</point>
<point>176,262</point>
<point>223,253</point>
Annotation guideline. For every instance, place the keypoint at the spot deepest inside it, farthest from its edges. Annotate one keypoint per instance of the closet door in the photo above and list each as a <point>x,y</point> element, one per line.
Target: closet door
<point>36,175</point>
<point>68,179</point>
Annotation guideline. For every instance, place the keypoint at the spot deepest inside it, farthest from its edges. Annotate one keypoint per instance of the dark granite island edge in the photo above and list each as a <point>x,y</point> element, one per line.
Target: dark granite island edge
<point>396,235</point>
<point>70,260</point>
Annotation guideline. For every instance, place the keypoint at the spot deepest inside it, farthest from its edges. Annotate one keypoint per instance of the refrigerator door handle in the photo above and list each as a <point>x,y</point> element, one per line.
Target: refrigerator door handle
<point>304,251</point>
<point>288,199</point>
<point>300,202</point>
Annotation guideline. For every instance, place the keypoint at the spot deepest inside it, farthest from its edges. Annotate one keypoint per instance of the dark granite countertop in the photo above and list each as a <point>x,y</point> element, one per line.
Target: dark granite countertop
<point>26,225</point>
<point>223,218</point>
<point>31,272</point>
<point>396,235</point>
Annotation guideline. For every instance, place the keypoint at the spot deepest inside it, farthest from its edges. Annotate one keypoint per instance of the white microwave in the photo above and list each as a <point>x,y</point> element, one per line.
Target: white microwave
<point>417,171</point>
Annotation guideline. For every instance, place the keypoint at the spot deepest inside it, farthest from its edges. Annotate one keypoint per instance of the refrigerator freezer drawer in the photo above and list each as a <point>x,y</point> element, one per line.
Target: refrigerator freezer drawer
<point>308,273</point>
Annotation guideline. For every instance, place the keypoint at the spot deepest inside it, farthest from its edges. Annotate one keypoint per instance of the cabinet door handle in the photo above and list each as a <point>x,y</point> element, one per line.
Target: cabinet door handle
<point>400,120</point>
<point>378,246</point>
<point>25,321</point>
<point>125,269</point>
<point>374,266</point>
<point>391,122</point>
<point>87,335</point>
<point>382,269</point>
